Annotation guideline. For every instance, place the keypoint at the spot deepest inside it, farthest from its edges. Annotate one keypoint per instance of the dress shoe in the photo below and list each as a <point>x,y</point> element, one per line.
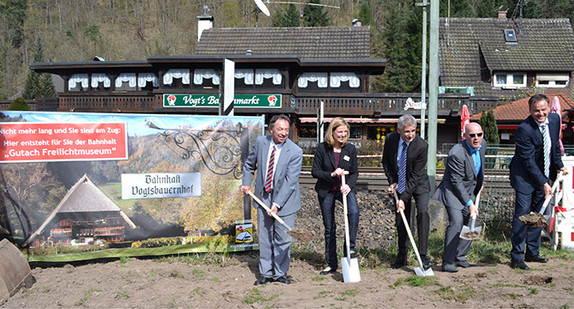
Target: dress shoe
<point>519,265</point>
<point>450,268</point>
<point>263,280</point>
<point>353,254</point>
<point>398,264</point>
<point>327,270</point>
<point>463,264</point>
<point>537,259</point>
<point>427,263</point>
<point>283,280</point>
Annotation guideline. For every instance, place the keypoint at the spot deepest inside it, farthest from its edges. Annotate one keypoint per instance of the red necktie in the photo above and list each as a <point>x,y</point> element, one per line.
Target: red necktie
<point>269,178</point>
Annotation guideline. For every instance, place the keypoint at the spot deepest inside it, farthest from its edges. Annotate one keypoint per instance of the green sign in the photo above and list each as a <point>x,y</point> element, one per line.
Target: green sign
<point>206,100</point>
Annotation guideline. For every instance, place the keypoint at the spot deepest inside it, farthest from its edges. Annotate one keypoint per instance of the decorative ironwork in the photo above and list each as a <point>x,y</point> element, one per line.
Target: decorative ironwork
<point>218,149</point>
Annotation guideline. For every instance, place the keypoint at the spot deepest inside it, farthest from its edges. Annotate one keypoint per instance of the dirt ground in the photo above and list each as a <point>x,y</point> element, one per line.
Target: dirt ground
<point>147,283</point>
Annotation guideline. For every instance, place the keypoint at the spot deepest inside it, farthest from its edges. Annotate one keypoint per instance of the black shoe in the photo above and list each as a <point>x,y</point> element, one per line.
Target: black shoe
<point>427,263</point>
<point>354,254</point>
<point>537,259</point>
<point>519,265</point>
<point>327,270</point>
<point>463,264</point>
<point>450,268</point>
<point>399,263</point>
<point>263,280</point>
<point>283,280</point>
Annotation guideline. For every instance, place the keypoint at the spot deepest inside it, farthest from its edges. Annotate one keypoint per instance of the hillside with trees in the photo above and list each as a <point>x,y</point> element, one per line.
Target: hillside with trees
<point>79,30</point>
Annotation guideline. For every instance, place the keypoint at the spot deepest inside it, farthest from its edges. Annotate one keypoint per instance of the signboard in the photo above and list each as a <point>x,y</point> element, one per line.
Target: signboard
<point>81,186</point>
<point>158,185</point>
<point>29,142</point>
<point>205,100</point>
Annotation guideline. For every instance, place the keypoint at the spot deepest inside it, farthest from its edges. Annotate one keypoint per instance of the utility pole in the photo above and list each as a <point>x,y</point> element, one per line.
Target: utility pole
<point>424,5</point>
<point>433,92</point>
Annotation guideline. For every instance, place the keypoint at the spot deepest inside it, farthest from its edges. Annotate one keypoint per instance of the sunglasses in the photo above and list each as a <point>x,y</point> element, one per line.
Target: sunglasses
<point>473,135</point>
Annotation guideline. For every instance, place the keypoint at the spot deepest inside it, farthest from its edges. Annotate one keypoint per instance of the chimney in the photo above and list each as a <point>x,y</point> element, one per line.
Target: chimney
<point>356,23</point>
<point>502,10</point>
<point>205,22</point>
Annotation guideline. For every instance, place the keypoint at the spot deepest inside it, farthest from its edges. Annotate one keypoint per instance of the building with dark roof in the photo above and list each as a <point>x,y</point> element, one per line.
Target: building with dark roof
<point>498,56</point>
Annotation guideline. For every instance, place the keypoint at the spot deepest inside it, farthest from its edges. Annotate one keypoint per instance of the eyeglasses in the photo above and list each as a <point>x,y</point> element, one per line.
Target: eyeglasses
<point>473,135</point>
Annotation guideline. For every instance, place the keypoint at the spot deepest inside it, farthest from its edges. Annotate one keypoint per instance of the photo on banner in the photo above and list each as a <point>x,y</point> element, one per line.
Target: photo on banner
<point>81,186</point>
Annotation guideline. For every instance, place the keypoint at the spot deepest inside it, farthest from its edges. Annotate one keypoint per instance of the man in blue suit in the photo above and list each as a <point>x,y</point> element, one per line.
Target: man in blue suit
<point>536,161</point>
<point>278,163</point>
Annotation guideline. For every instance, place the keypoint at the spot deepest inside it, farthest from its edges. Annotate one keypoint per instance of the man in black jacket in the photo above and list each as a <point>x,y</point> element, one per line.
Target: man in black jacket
<point>404,160</point>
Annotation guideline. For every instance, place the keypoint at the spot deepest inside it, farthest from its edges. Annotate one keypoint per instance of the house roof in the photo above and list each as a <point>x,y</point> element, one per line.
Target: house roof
<point>84,196</point>
<point>517,111</point>
<point>303,42</point>
<point>470,49</point>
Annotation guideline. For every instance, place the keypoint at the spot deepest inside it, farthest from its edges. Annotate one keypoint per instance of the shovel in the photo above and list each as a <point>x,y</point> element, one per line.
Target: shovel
<point>471,232</point>
<point>419,271</point>
<point>538,219</point>
<point>350,265</point>
<point>302,236</point>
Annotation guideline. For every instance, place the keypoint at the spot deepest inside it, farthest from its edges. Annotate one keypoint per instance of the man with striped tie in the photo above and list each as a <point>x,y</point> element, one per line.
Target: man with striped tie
<point>404,160</point>
<point>278,163</point>
<point>536,161</point>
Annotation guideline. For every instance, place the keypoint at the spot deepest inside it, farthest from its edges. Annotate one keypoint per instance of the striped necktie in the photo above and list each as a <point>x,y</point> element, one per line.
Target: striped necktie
<point>402,184</point>
<point>270,166</point>
<point>547,144</point>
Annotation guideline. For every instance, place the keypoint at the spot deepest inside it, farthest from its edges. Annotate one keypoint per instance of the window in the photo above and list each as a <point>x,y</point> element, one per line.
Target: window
<point>558,80</point>
<point>510,35</point>
<point>507,80</point>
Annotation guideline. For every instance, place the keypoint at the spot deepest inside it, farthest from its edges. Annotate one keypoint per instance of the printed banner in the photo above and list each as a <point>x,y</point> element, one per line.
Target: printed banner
<point>206,100</point>
<point>80,186</point>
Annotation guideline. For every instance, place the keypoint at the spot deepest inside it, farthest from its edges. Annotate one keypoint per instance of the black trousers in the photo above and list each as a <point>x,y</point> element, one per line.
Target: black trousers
<point>423,226</point>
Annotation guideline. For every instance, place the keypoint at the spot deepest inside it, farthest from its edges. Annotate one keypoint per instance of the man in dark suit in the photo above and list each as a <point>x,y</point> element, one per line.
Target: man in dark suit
<point>278,163</point>
<point>409,178</point>
<point>462,181</point>
<point>536,160</point>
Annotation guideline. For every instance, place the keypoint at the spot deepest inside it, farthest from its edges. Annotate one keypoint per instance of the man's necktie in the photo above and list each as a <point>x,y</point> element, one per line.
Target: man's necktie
<point>402,184</point>
<point>547,144</point>
<point>269,178</point>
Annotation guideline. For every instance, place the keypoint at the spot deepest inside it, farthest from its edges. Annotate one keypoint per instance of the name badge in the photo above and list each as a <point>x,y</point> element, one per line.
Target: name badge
<point>346,158</point>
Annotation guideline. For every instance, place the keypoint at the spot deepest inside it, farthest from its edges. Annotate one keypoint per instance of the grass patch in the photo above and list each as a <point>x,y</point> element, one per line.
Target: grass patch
<point>531,290</point>
<point>87,295</point>
<point>461,296</point>
<point>198,273</point>
<point>352,292</point>
<point>324,294</point>
<point>319,278</point>
<point>256,297</point>
<point>122,294</point>
<point>415,280</point>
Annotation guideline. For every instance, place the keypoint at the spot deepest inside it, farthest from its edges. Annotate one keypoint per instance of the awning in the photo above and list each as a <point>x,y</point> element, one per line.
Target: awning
<point>501,127</point>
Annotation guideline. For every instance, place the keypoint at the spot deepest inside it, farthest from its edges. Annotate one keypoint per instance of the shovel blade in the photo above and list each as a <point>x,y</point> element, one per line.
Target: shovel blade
<point>467,234</point>
<point>421,272</point>
<point>351,271</point>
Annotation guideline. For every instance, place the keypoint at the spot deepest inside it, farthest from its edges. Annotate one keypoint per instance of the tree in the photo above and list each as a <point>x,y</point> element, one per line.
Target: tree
<point>38,86</point>
<point>314,16</point>
<point>366,15</point>
<point>19,105</point>
<point>290,17</point>
<point>13,14</point>
<point>488,124</point>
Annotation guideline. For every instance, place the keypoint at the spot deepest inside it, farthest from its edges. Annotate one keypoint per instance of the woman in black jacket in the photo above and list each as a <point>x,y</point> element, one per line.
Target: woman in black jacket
<point>332,158</point>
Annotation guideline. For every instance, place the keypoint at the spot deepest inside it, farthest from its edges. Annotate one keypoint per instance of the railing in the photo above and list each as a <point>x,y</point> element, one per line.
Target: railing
<point>376,104</point>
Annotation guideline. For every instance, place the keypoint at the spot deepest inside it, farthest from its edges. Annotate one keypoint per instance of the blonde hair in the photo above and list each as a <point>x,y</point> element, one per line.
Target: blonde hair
<point>335,123</point>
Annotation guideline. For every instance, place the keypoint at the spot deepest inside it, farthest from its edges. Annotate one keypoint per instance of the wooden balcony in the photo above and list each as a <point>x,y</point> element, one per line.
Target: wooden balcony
<point>391,104</point>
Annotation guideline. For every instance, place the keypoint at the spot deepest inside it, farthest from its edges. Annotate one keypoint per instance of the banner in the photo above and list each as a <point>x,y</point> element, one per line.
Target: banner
<point>80,186</point>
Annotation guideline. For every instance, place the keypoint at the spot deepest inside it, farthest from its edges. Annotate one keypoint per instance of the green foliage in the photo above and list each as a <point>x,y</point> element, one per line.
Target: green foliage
<point>19,104</point>
<point>458,295</point>
<point>488,124</point>
<point>92,32</point>
<point>38,86</point>
<point>13,14</point>
<point>255,296</point>
<point>416,281</point>
<point>290,17</point>
<point>365,14</point>
<point>315,16</point>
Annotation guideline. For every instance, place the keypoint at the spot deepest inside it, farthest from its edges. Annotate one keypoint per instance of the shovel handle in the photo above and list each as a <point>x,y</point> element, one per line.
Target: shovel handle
<point>269,209</point>
<point>547,200</point>
<point>407,227</point>
<point>347,240</point>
